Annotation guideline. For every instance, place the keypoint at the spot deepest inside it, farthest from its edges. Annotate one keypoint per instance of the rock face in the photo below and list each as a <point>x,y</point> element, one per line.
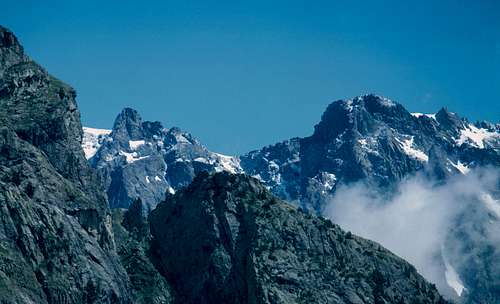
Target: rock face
<point>56,237</point>
<point>367,139</point>
<point>224,238</point>
<point>133,242</point>
<point>376,140</point>
<point>227,239</point>
<point>142,159</point>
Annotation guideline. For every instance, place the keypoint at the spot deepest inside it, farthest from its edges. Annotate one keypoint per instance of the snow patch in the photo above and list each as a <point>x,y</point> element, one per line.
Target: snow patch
<point>202,160</point>
<point>329,180</point>
<point>134,144</point>
<point>147,180</point>
<point>475,136</point>
<point>348,105</point>
<point>171,190</point>
<point>181,139</point>
<point>132,157</point>
<point>460,167</point>
<point>157,178</point>
<point>92,140</point>
<point>417,115</point>
<point>366,146</point>
<point>407,146</point>
<point>257,176</point>
<point>452,278</point>
<point>387,102</point>
<point>228,163</point>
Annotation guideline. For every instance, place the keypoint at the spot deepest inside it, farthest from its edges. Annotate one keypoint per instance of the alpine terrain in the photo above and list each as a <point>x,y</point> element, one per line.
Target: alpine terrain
<point>368,139</point>
<point>222,237</point>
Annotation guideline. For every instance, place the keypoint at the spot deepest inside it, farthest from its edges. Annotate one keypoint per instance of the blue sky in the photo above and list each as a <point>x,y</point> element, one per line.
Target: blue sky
<point>241,75</point>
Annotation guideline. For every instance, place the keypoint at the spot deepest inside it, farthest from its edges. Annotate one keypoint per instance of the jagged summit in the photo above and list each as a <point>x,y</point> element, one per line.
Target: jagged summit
<point>142,159</point>
<point>128,125</point>
<point>448,120</point>
<point>360,114</point>
<point>11,51</point>
<point>9,40</point>
<point>368,137</point>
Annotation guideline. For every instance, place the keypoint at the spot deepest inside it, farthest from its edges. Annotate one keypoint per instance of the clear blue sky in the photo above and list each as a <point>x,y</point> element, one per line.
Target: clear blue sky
<point>243,74</point>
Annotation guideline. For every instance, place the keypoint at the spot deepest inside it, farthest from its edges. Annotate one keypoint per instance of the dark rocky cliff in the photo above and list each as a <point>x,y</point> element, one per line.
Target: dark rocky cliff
<point>56,237</point>
<point>227,239</point>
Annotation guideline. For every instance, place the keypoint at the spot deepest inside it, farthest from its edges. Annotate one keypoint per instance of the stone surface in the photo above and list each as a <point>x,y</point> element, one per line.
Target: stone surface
<point>56,238</point>
<point>227,239</point>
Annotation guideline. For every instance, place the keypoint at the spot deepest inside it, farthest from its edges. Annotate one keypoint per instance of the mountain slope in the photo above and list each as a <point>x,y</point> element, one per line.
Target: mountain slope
<point>57,244</point>
<point>226,239</point>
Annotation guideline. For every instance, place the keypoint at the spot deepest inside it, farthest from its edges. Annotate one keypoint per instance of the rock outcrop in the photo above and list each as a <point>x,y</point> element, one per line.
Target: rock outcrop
<point>56,238</point>
<point>133,242</point>
<point>227,239</point>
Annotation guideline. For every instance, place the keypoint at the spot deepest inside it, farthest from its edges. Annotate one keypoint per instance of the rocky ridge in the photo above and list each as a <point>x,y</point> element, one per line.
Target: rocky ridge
<point>57,240</point>
<point>142,159</point>
<point>226,239</point>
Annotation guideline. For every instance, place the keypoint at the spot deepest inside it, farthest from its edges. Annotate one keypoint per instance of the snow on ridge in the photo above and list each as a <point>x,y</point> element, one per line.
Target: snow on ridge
<point>348,105</point>
<point>460,167</point>
<point>228,163</point>
<point>475,136</point>
<point>96,132</point>
<point>134,144</point>
<point>387,102</point>
<point>132,157</point>
<point>452,277</point>
<point>92,139</point>
<point>181,139</point>
<point>407,146</point>
<point>417,115</point>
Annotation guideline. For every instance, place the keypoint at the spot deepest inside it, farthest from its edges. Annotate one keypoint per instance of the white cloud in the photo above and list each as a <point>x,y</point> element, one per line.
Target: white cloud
<point>415,220</point>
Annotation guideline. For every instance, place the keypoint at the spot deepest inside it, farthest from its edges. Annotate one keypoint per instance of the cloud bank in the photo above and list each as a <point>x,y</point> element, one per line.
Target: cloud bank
<point>427,223</point>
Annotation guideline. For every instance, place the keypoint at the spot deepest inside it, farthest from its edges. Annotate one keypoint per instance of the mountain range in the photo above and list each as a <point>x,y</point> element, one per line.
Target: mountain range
<point>147,214</point>
<point>368,139</point>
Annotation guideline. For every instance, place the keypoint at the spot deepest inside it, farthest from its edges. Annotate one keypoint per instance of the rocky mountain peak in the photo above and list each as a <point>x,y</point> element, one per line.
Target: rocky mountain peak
<point>11,51</point>
<point>206,185</point>
<point>361,114</point>
<point>448,120</point>
<point>128,125</point>
<point>9,40</point>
